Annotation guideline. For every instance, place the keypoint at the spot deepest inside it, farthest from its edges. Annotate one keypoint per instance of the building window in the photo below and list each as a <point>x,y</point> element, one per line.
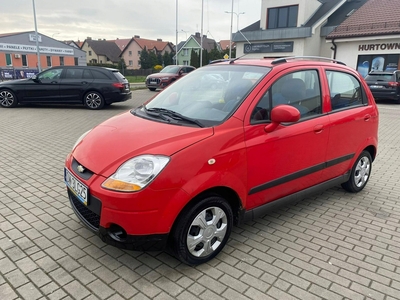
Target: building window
<point>282,17</point>
<point>48,59</point>
<point>139,63</point>
<point>131,63</point>
<point>130,53</point>
<point>24,60</point>
<point>90,53</point>
<point>138,52</point>
<point>186,62</point>
<point>185,52</point>
<point>76,61</point>
<point>8,59</point>
<point>61,60</point>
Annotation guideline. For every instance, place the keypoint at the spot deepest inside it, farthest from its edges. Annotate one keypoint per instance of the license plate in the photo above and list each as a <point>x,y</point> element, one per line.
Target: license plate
<point>78,188</point>
<point>153,81</point>
<point>376,86</point>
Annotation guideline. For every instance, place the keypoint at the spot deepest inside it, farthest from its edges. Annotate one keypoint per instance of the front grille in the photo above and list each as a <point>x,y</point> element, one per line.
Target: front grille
<point>153,81</point>
<point>91,219</point>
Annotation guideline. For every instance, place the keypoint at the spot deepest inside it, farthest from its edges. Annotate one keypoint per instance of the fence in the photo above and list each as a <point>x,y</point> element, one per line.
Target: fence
<point>11,73</point>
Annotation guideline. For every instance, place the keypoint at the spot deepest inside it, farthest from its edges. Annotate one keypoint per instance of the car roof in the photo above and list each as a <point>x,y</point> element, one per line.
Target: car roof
<point>381,72</point>
<point>285,62</point>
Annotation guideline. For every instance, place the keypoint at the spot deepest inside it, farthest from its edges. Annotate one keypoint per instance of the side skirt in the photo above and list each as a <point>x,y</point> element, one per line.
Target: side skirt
<point>262,210</point>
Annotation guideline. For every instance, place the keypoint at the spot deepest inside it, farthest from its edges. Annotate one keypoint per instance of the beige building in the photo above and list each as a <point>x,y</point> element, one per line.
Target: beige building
<point>131,52</point>
<point>101,51</point>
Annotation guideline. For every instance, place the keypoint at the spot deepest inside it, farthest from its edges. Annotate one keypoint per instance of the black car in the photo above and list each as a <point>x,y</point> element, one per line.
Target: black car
<point>384,85</point>
<point>93,87</point>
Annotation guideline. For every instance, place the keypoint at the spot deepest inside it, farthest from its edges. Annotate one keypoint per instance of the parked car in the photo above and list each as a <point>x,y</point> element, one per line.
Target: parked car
<point>183,168</point>
<point>93,87</point>
<point>167,76</point>
<point>384,85</point>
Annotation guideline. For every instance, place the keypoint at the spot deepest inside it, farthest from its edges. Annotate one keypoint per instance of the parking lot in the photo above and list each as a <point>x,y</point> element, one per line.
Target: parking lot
<point>335,245</point>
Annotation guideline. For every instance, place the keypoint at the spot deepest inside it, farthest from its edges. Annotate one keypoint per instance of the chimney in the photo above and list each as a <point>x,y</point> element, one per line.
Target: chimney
<point>197,34</point>
<point>159,40</point>
<point>89,38</point>
<point>137,36</point>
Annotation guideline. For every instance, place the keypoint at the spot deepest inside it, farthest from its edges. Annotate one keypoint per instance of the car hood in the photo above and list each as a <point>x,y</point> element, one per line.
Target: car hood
<point>159,75</point>
<point>16,81</point>
<point>125,136</point>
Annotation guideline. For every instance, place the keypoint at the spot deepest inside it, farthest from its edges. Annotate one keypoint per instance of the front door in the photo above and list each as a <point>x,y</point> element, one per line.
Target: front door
<point>291,157</point>
<point>74,83</point>
<point>44,88</point>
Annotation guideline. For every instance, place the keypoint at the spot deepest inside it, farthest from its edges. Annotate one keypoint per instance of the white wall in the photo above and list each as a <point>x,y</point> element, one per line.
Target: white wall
<point>348,49</point>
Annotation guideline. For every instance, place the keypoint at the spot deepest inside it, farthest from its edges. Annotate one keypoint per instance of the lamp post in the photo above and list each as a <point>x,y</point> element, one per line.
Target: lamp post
<point>185,33</point>
<point>176,32</point>
<point>52,36</point>
<point>37,37</point>
<point>237,27</point>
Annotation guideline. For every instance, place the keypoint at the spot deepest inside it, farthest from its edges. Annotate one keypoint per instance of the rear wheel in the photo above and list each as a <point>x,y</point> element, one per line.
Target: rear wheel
<point>8,98</point>
<point>93,100</point>
<point>202,230</point>
<point>360,173</point>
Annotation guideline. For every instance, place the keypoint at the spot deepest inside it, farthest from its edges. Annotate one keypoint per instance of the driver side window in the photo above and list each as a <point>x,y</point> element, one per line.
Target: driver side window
<point>52,74</point>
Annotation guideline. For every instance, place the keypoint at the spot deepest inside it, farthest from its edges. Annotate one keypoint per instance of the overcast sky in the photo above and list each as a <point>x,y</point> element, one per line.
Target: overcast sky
<point>111,19</point>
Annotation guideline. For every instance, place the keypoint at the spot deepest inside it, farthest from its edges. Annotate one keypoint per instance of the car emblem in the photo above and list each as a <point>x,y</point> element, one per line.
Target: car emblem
<point>81,169</point>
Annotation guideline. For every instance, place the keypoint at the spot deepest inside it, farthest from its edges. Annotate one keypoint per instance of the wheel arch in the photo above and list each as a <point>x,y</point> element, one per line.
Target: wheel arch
<point>228,194</point>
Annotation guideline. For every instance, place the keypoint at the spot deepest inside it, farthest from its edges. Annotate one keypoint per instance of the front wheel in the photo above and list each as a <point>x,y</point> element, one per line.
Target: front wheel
<point>202,230</point>
<point>93,100</point>
<point>360,173</point>
<point>8,99</point>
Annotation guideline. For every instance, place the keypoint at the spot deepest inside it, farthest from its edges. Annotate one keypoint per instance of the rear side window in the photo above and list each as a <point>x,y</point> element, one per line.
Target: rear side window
<point>299,89</point>
<point>73,73</point>
<point>99,75</point>
<point>345,90</point>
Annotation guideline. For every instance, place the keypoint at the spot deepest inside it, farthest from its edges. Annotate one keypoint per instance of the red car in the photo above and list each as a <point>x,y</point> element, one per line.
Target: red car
<point>167,76</point>
<point>185,167</point>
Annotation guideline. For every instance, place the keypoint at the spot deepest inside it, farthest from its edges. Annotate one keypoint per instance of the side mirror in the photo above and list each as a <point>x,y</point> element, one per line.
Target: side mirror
<point>282,114</point>
<point>35,78</point>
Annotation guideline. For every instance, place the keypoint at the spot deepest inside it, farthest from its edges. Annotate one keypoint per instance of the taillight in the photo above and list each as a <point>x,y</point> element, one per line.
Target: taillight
<point>118,85</point>
<point>393,83</point>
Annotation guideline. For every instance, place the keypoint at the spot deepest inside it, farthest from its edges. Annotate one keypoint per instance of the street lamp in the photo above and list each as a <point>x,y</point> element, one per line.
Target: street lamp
<point>37,37</point>
<point>237,27</point>
<point>52,36</point>
<point>185,33</point>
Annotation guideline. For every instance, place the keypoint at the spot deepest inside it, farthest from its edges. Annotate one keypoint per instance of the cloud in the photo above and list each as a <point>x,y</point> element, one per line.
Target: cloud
<point>109,19</point>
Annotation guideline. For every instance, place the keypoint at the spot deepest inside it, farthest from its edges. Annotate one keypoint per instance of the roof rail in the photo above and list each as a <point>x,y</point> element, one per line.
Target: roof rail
<point>285,59</point>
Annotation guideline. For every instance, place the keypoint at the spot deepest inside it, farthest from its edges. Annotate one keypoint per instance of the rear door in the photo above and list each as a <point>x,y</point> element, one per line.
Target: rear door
<point>352,121</point>
<point>74,84</point>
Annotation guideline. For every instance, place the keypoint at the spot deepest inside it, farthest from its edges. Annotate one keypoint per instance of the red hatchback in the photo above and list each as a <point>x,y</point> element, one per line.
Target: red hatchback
<point>185,167</point>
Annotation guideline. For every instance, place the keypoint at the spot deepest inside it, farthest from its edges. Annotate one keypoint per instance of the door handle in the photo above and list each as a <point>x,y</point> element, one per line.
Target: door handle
<point>84,82</point>
<point>367,117</point>
<point>318,128</point>
<point>54,82</point>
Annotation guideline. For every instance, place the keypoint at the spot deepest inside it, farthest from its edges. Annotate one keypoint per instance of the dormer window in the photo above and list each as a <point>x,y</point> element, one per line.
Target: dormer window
<point>282,17</point>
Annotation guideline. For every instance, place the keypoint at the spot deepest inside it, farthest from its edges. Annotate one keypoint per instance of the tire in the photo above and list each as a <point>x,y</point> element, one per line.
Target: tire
<point>360,173</point>
<point>206,226</point>
<point>8,99</point>
<point>93,100</point>
<point>152,89</point>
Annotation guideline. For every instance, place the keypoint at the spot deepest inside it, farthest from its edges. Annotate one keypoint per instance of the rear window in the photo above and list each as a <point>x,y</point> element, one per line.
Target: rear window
<point>380,77</point>
<point>119,76</point>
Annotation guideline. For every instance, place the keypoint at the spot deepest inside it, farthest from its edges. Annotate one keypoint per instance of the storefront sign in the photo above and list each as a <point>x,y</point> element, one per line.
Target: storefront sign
<point>268,47</point>
<point>32,38</point>
<point>32,49</point>
<point>374,47</point>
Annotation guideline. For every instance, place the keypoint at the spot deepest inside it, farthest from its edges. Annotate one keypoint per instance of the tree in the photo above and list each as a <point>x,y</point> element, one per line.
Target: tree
<point>160,60</point>
<point>122,66</point>
<point>167,59</point>
<point>194,59</point>
<point>145,62</point>
<point>153,59</point>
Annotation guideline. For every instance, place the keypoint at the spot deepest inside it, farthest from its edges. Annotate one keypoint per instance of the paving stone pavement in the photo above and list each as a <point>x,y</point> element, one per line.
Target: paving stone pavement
<point>335,245</point>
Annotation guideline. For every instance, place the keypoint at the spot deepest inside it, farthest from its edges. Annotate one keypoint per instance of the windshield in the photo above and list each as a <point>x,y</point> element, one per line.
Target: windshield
<point>170,69</point>
<point>209,94</point>
<point>380,77</point>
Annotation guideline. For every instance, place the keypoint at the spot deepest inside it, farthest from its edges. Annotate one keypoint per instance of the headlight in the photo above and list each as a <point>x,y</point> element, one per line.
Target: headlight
<point>80,139</point>
<point>136,173</point>
<point>164,78</point>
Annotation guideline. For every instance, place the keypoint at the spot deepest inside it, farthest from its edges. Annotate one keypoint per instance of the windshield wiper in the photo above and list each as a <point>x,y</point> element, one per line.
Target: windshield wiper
<point>168,114</point>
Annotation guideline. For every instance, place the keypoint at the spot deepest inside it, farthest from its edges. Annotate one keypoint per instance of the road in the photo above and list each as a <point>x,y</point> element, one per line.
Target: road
<point>335,245</point>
